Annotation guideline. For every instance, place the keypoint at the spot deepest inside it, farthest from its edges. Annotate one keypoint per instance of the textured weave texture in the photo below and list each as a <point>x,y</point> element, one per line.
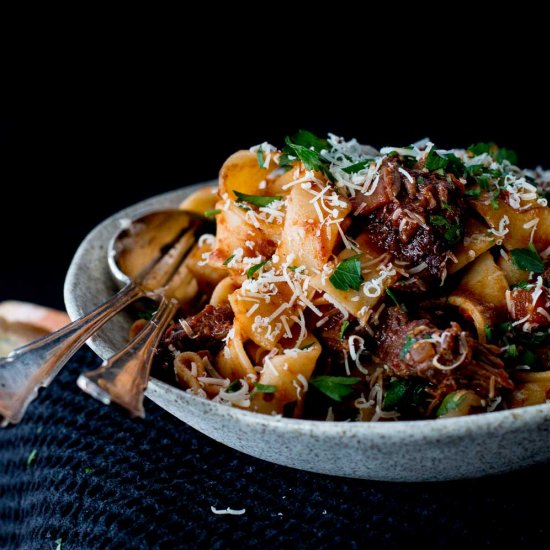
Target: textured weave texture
<point>101,480</point>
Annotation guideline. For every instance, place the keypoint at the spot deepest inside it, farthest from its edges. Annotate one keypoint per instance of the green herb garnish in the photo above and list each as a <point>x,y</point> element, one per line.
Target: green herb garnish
<point>306,147</point>
<point>527,259</point>
<point>434,161</point>
<point>335,387</point>
<point>260,157</point>
<point>235,386</point>
<point>256,200</point>
<point>263,388</point>
<point>254,268</point>
<point>488,333</point>
<point>408,344</point>
<point>397,389</point>
<point>343,328</point>
<point>357,167</point>
<point>88,471</point>
<point>527,358</point>
<point>523,285</point>
<point>511,351</point>
<point>212,213</point>
<point>393,298</point>
<point>32,457</point>
<point>453,231</point>
<point>451,402</point>
<point>348,274</point>
<point>228,261</point>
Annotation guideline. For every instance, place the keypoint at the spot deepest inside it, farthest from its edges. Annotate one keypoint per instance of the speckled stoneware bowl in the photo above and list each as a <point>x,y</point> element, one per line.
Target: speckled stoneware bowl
<point>398,451</point>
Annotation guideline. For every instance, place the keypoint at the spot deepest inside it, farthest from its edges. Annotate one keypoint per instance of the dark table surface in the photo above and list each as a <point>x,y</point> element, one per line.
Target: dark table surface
<point>101,480</point>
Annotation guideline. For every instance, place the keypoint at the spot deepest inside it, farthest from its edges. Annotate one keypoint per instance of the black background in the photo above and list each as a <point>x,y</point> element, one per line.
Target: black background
<point>79,146</point>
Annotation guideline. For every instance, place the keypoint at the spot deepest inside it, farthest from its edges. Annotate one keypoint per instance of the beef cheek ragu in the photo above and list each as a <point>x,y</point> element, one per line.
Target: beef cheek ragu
<point>448,359</point>
<point>410,215</point>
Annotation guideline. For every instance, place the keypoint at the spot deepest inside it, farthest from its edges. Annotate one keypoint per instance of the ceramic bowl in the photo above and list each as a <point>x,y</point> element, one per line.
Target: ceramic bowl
<point>425,450</point>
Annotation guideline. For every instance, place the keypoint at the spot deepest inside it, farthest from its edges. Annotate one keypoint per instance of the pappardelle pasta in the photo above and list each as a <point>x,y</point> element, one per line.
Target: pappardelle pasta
<point>347,283</point>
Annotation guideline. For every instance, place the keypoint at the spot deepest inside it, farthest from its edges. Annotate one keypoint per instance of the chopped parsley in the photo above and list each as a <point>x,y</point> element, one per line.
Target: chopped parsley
<point>256,200</point>
<point>228,261</point>
<point>147,314</point>
<point>335,387</point>
<point>235,386</point>
<point>527,358</point>
<point>348,274</point>
<point>254,268</point>
<point>488,333</point>
<point>397,389</point>
<point>451,402</point>
<point>343,328</point>
<point>511,351</point>
<point>523,285</point>
<point>393,298</point>
<point>32,457</point>
<point>306,147</point>
<point>453,231</point>
<point>409,342</point>
<point>357,167</point>
<point>263,388</point>
<point>441,163</point>
<point>260,157</point>
<point>212,213</point>
<point>404,394</point>
<point>527,259</point>
<point>500,154</point>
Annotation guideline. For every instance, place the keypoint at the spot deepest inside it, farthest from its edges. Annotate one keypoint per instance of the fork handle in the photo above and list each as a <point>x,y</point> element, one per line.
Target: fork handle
<point>30,367</point>
<point>124,376</point>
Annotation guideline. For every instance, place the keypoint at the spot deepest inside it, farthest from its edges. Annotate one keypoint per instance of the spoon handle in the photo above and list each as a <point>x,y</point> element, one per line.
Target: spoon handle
<point>30,367</point>
<point>124,376</point>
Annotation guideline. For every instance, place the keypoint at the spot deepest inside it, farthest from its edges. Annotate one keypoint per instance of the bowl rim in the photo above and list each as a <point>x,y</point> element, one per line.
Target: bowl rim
<point>425,428</point>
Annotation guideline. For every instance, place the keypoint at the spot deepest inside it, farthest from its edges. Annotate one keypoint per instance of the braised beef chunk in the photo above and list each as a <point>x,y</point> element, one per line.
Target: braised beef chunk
<point>449,359</point>
<point>414,214</point>
<point>207,330</point>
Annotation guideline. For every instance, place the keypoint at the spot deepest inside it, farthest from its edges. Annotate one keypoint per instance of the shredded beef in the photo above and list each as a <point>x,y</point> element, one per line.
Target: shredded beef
<point>417,221</point>
<point>209,328</point>
<point>413,349</point>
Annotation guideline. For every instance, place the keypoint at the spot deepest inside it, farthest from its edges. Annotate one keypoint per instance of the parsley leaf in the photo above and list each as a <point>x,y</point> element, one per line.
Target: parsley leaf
<point>527,259</point>
<point>256,200</point>
<point>480,148</point>
<point>263,388</point>
<point>148,314</point>
<point>228,261</point>
<point>236,385</point>
<point>254,268</point>
<point>357,167</point>
<point>451,402</point>
<point>306,147</point>
<point>511,351</point>
<point>453,231</point>
<point>343,328</point>
<point>409,341</point>
<point>212,213</point>
<point>260,157</point>
<point>395,393</point>
<point>435,161</point>
<point>394,299</point>
<point>335,387</point>
<point>32,457</point>
<point>523,285</point>
<point>348,274</point>
<point>488,332</point>
<point>506,154</point>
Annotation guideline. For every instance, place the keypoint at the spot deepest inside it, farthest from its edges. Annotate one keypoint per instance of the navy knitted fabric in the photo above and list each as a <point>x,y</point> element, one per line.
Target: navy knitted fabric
<point>101,480</point>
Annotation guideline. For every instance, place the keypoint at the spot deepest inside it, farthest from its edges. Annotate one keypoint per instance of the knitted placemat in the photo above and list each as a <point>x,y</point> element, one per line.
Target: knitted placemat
<point>81,475</point>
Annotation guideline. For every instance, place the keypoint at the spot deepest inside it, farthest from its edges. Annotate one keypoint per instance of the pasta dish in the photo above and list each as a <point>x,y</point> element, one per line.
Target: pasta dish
<point>349,283</point>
